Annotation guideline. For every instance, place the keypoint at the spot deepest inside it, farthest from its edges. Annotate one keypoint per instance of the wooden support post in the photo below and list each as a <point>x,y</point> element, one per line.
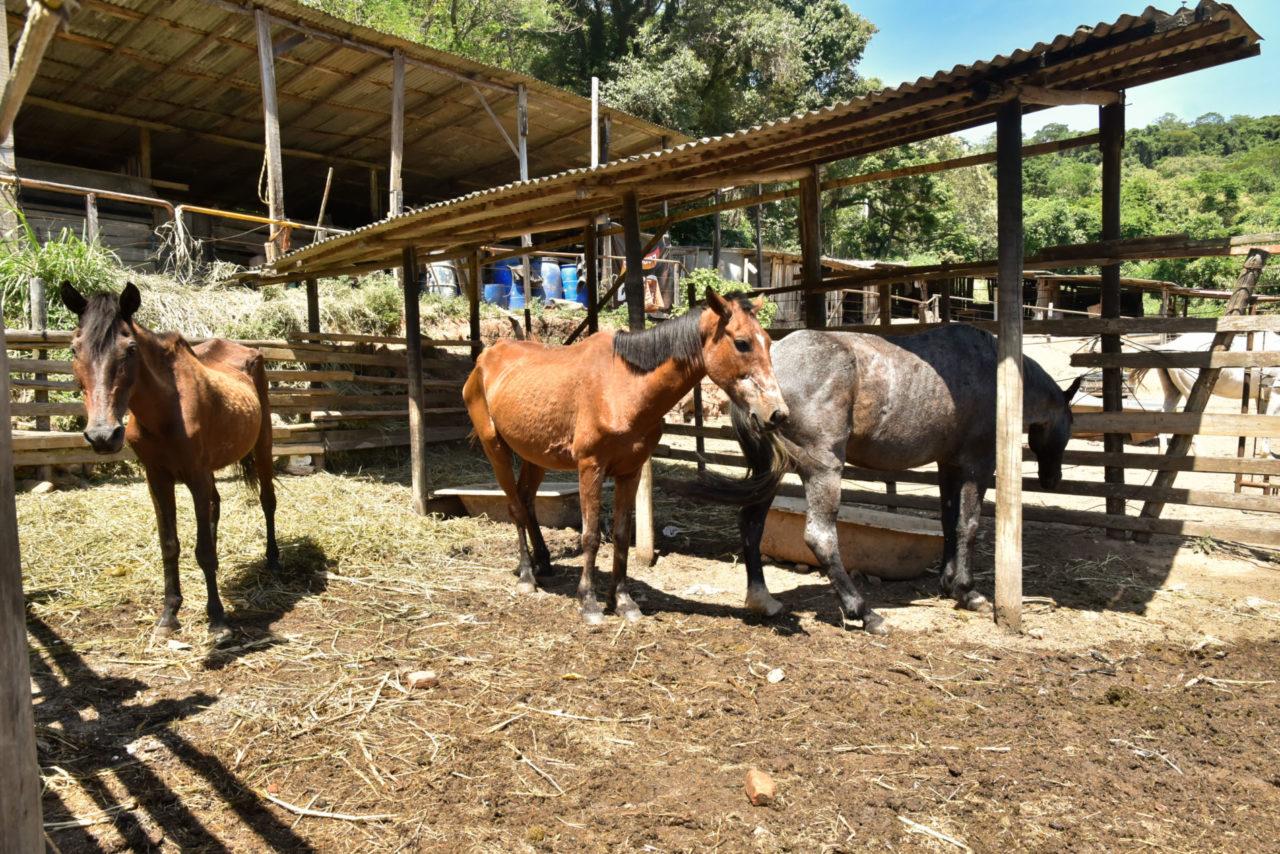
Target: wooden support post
<point>90,218</point>
<point>1008,607</point>
<point>21,827</point>
<point>413,346</point>
<point>144,153</point>
<point>395,189</point>
<point>815,304</point>
<point>8,164</point>
<point>886,303</point>
<point>699,442</point>
<point>715,237</point>
<point>477,288</point>
<point>591,261</point>
<point>522,154</point>
<point>595,122</point>
<point>634,251</point>
<point>1111,127</point>
<point>375,197</point>
<point>759,213</point>
<point>39,323</point>
<point>279,242</point>
<point>634,254</point>
<point>1206,379</point>
<point>313,325</point>
<point>944,300</point>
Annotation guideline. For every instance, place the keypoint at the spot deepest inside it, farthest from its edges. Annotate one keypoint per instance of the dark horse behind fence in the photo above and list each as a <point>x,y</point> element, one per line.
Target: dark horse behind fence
<point>597,407</point>
<point>888,404</point>
<point>192,411</point>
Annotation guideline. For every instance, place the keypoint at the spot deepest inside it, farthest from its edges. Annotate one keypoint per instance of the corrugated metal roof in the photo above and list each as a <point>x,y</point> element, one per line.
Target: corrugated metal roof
<point>1132,50</point>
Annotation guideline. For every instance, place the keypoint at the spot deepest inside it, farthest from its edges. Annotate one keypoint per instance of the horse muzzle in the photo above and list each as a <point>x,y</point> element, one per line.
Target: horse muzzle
<point>772,421</point>
<point>105,439</point>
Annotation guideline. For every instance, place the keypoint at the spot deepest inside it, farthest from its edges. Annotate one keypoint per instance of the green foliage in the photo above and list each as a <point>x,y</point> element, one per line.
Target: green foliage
<point>91,267</point>
<point>705,278</point>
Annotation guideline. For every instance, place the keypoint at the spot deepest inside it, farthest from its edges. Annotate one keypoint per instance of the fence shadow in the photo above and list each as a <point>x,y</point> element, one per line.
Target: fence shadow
<point>86,725</point>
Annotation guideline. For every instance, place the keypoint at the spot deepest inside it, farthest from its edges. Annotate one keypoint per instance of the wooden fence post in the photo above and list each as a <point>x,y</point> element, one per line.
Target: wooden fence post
<point>313,325</point>
<point>944,300</point>
<point>1206,379</point>
<point>413,350</point>
<point>591,261</point>
<point>715,236</point>
<point>39,323</point>
<point>477,289</point>
<point>21,826</point>
<point>699,442</point>
<point>90,218</point>
<point>645,552</point>
<point>815,303</point>
<point>1008,606</point>
<point>1111,127</point>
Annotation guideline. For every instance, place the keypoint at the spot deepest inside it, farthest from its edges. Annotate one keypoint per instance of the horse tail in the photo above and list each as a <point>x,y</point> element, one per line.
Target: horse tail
<point>767,462</point>
<point>249,471</point>
<point>1136,375</point>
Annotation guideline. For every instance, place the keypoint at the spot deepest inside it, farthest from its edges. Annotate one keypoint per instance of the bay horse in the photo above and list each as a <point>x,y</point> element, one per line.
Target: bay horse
<point>888,404</point>
<point>192,411</point>
<point>597,407</point>
<point>1176,383</point>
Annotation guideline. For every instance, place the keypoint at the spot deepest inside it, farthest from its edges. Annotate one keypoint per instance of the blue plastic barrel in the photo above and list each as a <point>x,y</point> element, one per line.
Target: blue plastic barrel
<point>496,294</point>
<point>550,269</point>
<point>569,282</point>
<point>516,300</point>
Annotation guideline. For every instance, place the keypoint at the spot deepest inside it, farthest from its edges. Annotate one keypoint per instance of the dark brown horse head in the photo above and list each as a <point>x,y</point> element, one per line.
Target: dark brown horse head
<point>1049,434</point>
<point>104,361</point>
<point>735,352</point>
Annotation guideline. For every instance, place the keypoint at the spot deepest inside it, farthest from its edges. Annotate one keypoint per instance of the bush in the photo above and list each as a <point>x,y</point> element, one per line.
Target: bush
<point>708,278</point>
<point>89,266</point>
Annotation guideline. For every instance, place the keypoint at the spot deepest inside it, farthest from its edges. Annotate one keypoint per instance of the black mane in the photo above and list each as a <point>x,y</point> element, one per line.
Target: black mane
<point>672,339</point>
<point>98,323</point>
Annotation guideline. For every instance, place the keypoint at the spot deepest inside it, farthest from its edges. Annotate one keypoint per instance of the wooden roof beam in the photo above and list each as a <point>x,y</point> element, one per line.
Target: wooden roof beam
<point>120,43</point>
<point>1046,97</point>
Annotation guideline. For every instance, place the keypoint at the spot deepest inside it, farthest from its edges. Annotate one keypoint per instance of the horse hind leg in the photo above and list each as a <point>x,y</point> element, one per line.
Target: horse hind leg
<point>259,466</point>
<point>527,487</point>
<point>968,498</point>
<point>202,492</point>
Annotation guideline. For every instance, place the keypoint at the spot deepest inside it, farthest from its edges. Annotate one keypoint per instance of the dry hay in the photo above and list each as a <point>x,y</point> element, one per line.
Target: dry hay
<point>545,735</point>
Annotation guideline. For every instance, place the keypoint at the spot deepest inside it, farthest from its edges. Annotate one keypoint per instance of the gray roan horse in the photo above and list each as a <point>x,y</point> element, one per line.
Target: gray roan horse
<point>888,404</point>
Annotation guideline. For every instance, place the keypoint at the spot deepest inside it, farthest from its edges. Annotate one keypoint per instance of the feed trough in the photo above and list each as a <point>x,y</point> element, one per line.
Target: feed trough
<point>556,504</point>
<point>891,546</point>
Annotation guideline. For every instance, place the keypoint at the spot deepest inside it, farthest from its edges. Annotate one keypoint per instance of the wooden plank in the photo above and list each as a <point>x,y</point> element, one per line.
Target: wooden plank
<point>1177,423</point>
<point>293,376</point>
<point>321,416</point>
<point>21,409</point>
<point>1008,562</point>
<point>810,223</point>
<point>395,172</point>
<point>1174,359</point>
<point>278,243</point>
<point>1046,97</point>
<point>39,366</point>
<point>1160,462</point>
<point>1081,327</point>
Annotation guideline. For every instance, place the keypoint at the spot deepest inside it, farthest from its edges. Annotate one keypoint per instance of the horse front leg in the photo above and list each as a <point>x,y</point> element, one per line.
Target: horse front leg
<point>972,489</point>
<point>161,486</point>
<point>822,491</point>
<point>527,487</point>
<point>624,501</point>
<point>751,520</point>
<point>202,495</point>
<point>1172,394</point>
<point>590,487</point>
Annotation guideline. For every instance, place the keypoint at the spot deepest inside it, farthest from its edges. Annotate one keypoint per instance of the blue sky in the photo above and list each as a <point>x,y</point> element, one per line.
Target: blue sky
<point>918,37</point>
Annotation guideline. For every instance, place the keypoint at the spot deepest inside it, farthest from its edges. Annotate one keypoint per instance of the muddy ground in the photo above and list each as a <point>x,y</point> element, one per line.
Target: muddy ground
<point>1142,710</point>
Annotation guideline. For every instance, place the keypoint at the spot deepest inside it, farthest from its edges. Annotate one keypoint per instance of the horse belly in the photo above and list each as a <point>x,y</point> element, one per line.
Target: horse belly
<point>231,421</point>
<point>540,431</point>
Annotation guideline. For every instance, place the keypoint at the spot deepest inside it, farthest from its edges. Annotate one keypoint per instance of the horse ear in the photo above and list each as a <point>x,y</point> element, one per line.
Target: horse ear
<point>718,304</point>
<point>756,305</point>
<point>1070,391</point>
<point>72,299</point>
<point>130,299</point>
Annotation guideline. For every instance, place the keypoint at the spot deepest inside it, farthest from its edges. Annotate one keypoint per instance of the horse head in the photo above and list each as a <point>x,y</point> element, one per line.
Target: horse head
<point>735,352</point>
<point>104,360</point>
<point>1048,433</point>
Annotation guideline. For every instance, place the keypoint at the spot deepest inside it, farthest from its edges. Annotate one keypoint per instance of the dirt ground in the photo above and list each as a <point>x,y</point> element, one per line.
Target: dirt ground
<point>1141,710</point>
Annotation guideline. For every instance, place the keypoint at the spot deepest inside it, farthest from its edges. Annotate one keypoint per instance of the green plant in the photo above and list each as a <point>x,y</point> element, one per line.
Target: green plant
<point>707,278</point>
<point>89,266</point>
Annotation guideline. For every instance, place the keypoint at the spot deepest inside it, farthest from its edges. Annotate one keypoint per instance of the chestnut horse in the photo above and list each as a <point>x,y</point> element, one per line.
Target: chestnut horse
<point>597,407</point>
<point>193,410</point>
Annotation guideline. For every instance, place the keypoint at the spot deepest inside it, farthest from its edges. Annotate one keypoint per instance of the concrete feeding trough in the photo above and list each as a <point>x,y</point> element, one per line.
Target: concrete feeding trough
<point>556,504</point>
<point>891,546</point>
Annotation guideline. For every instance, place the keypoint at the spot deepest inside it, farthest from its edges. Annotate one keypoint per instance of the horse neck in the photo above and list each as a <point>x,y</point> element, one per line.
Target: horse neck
<point>662,388</point>
<point>155,393</point>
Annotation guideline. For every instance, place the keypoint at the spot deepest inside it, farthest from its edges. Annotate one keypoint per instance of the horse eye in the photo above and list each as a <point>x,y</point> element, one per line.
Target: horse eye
<point>743,345</point>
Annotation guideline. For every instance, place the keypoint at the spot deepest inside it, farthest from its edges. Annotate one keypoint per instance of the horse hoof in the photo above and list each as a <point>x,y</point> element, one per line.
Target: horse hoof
<point>976,603</point>
<point>760,602</point>
<point>874,624</point>
<point>592,618</point>
<point>219,633</point>
<point>163,631</point>
<point>630,613</point>
<point>524,588</point>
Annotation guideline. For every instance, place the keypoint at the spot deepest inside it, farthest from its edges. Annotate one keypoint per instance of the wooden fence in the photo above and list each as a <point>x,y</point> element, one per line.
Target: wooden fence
<point>1246,528</point>
<point>334,392</point>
